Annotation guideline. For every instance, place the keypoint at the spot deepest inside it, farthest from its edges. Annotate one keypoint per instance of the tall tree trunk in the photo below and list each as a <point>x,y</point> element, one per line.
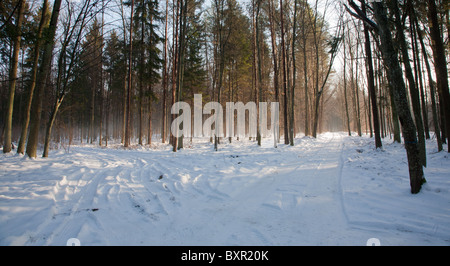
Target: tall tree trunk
<point>36,108</point>
<point>305,67</point>
<point>100,139</point>
<point>141,78</point>
<point>415,99</point>
<point>274,53</point>
<point>13,77</point>
<point>274,50</point>
<point>259,63</point>
<point>283,58</point>
<point>437,129</point>
<point>34,71</point>
<point>418,75</point>
<point>175,63</point>
<point>440,65</point>
<point>356,82</point>
<point>181,59</point>
<point>164,81</point>
<point>345,90</point>
<point>124,98</point>
<point>395,76</point>
<point>294,76</point>
<point>130,84</point>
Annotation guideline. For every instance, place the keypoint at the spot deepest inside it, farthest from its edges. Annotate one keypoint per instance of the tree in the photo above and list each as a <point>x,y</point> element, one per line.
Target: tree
<point>275,58</point>
<point>13,76</point>
<point>149,62</point>
<point>395,77</point>
<point>66,62</point>
<point>415,100</point>
<point>37,49</point>
<point>371,82</point>
<point>440,65</point>
<point>294,76</point>
<point>130,83</point>
<point>165,77</point>
<point>431,83</point>
<point>41,80</point>
<point>333,44</point>
<point>284,73</point>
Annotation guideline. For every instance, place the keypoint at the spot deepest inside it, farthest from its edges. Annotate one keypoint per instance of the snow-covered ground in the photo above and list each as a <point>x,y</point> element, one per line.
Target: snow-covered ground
<point>333,190</point>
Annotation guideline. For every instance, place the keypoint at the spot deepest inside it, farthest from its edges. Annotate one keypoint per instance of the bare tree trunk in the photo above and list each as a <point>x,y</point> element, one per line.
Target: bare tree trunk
<point>418,75</point>
<point>181,57</point>
<point>141,81</point>
<point>440,66</point>
<point>259,63</point>
<point>100,139</point>
<point>48,130</point>
<point>345,90</point>
<point>294,76</point>
<point>175,65</point>
<point>130,84</point>
<point>305,67</point>
<point>274,50</point>
<point>40,85</point>
<point>34,71</point>
<point>164,81</point>
<point>356,82</point>
<point>395,76</point>
<point>274,53</point>
<point>283,58</point>
<point>124,98</point>
<point>13,77</point>
<point>437,129</point>
<point>415,100</point>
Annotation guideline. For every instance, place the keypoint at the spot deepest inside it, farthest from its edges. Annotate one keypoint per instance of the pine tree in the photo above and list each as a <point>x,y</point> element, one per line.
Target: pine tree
<point>148,56</point>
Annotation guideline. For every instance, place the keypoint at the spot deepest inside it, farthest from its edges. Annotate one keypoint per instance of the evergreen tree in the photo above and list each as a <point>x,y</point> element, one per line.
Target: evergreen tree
<point>148,55</point>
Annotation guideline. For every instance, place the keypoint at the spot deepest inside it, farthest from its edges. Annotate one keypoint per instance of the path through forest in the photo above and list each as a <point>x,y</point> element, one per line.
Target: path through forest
<point>315,193</point>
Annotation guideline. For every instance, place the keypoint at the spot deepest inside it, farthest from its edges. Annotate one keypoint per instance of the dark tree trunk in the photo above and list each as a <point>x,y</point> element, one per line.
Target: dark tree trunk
<point>414,92</point>
<point>395,77</point>
<point>371,84</point>
<point>440,65</point>
<point>283,56</point>
<point>36,107</point>
<point>13,77</point>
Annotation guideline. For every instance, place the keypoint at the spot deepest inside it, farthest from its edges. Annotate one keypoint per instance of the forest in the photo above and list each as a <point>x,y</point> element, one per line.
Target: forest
<point>102,71</point>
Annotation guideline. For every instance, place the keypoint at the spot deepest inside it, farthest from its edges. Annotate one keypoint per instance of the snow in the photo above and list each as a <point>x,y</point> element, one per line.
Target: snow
<point>333,190</point>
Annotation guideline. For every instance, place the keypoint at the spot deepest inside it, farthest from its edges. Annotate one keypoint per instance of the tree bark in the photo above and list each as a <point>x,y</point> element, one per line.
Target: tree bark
<point>294,76</point>
<point>437,129</point>
<point>274,53</point>
<point>415,99</point>
<point>34,71</point>
<point>13,77</point>
<point>164,81</point>
<point>395,77</point>
<point>283,58</point>
<point>36,108</point>
<point>259,63</point>
<point>130,84</point>
<point>371,83</point>
<point>440,65</point>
